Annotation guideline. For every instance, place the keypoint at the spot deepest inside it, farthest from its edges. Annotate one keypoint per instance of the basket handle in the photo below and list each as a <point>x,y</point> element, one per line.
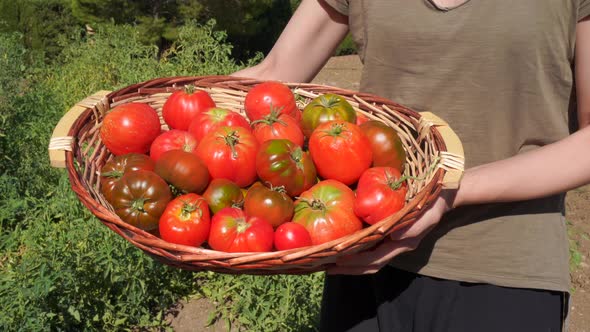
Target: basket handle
<point>452,160</point>
<point>60,141</point>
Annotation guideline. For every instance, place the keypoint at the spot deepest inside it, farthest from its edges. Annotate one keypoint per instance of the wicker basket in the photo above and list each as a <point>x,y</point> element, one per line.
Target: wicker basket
<point>434,155</point>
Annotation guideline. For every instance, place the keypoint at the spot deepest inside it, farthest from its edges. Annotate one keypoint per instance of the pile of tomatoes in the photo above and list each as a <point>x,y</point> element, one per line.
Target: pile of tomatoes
<point>277,178</point>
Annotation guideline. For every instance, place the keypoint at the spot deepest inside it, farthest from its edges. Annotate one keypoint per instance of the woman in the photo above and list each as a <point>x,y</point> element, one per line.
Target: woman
<point>492,255</point>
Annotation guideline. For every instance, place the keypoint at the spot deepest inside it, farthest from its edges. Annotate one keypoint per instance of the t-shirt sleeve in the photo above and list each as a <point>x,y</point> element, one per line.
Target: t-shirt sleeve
<point>342,5</point>
<point>584,10</point>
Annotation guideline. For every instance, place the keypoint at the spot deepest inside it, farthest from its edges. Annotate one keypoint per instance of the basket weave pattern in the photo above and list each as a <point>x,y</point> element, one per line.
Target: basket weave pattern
<point>423,143</point>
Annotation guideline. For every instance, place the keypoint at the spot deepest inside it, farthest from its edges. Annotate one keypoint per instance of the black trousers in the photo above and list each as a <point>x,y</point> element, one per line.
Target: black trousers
<point>395,300</point>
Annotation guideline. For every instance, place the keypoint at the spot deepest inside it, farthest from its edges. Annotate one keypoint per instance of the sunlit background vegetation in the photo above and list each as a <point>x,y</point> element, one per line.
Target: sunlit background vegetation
<point>60,268</point>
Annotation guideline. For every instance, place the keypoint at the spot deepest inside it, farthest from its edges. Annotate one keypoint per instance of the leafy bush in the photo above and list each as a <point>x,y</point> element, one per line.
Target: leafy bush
<point>40,22</point>
<point>346,47</point>
<point>67,271</point>
<point>61,269</point>
<point>115,57</point>
<point>265,303</point>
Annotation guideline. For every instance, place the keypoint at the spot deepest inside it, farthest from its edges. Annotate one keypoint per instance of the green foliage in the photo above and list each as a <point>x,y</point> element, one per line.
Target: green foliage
<point>101,11</point>
<point>295,4</point>
<point>346,47</point>
<point>576,257</point>
<point>39,21</point>
<point>61,269</point>
<point>253,26</point>
<point>25,122</point>
<point>67,271</point>
<point>265,303</point>
<point>200,51</point>
<point>115,57</point>
<point>12,64</point>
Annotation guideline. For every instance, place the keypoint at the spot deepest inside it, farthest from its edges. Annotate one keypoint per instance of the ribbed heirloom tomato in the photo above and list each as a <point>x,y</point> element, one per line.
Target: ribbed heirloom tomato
<point>230,153</point>
<point>386,145</point>
<point>326,211</point>
<point>340,151</point>
<point>271,204</point>
<point>268,96</point>
<point>381,191</point>
<point>281,162</point>
<point>140,198</point>
<point>222,193</point>
<point>233,231</point>
<point>278,126</point>
<point>130,128</point>
<point>186,221</point>
<point>183,170</point>
<point>173,139</point>
<point>184,105</point>
<point>325,108</point>
<point>214,118</point>
<point>115,168</point>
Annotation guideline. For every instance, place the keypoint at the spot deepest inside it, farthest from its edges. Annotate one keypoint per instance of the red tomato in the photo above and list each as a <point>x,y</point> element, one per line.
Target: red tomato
<point>140,198</point>
<point>115,168</point>
<point>388,149</point>
<point>222,193</point>
<point>326,211</point>
<point>186,221</point>
<point>268,96</point>
<point>232,231</point>
<point>172,140</point>
<point>340,151</point>
<point>291,235</point>
<point>281,162</point>
<point>230,153</point>
<point>278,126</point>
<point>274,205</point>
<point>361,118</point>
<point>183,170</point>
<point>379,194</point>
<point>214,118</point>
<point>184,105</point>
<point>130,128</point>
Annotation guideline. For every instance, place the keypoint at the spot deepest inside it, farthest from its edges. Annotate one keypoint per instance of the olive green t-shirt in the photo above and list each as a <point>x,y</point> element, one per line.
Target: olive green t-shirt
<point>501,73</point>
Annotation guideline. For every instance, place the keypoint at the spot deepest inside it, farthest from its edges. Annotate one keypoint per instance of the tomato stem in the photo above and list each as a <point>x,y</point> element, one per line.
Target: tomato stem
<point>112,174</point>
<point>187,147</point>
<point>271,118</point>
<point>190,89</point>
<point>336,129</point>
<point>297,154</point>
<point>315,204</point>
<point>187,209</point>
<point>138,204</point>
<point>238,205</point>
<point>279,189</point>
<point>232,139</point>
<point>394,183</point>
<point>328,101</point>
<point>242,226</point>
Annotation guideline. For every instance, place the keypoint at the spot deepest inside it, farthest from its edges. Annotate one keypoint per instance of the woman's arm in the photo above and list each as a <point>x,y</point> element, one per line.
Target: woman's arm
<point>305,45</point>
<point>551,169</point>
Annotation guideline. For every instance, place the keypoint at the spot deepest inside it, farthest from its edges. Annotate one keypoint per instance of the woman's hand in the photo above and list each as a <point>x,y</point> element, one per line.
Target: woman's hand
<point>398,242</point>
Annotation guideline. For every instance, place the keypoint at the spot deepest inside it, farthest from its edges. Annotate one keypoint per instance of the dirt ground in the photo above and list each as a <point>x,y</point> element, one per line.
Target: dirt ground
<point>344,72</point>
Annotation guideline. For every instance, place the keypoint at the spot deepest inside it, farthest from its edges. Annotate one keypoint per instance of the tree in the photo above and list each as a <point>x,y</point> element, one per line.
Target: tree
<point>41,22</point>
<point>251,25</point>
